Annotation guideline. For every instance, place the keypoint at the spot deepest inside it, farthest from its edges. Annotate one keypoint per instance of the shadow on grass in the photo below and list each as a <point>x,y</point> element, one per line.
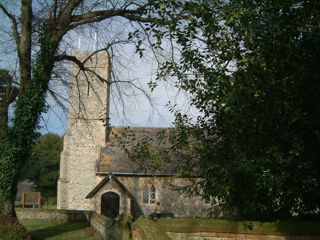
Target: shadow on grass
<point>48,231</point>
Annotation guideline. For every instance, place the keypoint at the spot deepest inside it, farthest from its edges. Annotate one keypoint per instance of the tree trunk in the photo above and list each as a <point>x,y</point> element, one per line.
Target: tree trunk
<point>3,122</point>
<point>22,134</point>
<point>7,213</point>
<point>24,47</point>
<point>9,222</point>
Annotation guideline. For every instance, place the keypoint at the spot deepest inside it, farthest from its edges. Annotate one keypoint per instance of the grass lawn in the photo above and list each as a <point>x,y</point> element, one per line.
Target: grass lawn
<point>58,230</point>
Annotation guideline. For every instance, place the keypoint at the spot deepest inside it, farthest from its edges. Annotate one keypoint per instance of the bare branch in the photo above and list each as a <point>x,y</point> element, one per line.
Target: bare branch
<point>14,24</point>
<point>98,16</point>
<point>68,9</point>
<point>81,65</point>
<point>54,9</point>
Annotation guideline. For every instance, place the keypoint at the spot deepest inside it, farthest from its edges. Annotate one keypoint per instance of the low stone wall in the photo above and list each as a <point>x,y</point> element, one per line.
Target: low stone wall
<point>52,215</point>
<point>234,236</point>
<point>166,229</point>
<point>200,229</point>
<point>102,225</point>
<point>146,229</point>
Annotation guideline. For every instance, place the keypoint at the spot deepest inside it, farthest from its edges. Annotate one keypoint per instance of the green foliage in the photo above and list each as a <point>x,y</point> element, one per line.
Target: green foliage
<point>22,135</point>
<point>158,151</point>
<point>8,93</point>
<point>5,80</point>
<point>43,166</point>
<point>252,69</point>
<point>141,149</point>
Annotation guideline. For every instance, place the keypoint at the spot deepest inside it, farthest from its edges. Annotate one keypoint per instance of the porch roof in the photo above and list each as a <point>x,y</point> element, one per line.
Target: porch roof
<point>107,179</point>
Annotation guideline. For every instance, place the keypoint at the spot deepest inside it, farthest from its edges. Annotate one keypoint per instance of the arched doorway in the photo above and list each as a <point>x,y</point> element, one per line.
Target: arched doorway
<point>110,202</point>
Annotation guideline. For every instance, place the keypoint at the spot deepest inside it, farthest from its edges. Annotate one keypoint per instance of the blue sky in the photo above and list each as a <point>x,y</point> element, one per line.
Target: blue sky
<point>138,110</point>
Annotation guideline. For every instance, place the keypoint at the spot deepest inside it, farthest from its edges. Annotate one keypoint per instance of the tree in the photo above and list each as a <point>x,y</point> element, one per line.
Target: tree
<point>8,93</point>
<point>252,70</point>
<point>43,166</point>
<point>42,26</point>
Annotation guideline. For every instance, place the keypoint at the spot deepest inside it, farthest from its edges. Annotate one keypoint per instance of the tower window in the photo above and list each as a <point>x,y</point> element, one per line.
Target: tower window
<point>149,194</point>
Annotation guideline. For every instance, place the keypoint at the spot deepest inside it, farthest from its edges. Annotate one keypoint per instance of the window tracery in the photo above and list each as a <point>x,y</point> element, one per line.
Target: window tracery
<point>149,194</point>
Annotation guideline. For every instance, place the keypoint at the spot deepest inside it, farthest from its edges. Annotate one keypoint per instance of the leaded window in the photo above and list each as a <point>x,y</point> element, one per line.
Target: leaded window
<point>149,194</point>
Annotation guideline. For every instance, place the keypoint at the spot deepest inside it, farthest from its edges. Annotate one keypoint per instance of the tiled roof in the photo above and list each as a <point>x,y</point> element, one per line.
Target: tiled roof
<point>113,159</point>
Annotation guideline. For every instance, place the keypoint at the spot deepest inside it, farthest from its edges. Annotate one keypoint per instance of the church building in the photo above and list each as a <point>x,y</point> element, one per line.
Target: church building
<point>95,174</point>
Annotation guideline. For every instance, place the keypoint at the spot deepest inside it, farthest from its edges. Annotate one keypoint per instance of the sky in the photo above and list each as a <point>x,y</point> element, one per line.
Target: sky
<point>137,109</point>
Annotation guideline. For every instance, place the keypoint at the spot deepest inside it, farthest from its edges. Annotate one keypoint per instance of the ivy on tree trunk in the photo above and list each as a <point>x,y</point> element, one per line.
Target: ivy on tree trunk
<point>22,134</point>
<point>3,122</point>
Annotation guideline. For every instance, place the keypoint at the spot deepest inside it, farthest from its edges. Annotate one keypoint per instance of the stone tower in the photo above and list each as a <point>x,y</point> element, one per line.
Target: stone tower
<point>87,124</point>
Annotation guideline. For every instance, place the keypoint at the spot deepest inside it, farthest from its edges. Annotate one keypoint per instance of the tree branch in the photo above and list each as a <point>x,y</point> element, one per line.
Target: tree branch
<point>12,94</point>
<point>68,9</point>
<point>14,25</point>
<point>98,16</point>
<point>81,65</point>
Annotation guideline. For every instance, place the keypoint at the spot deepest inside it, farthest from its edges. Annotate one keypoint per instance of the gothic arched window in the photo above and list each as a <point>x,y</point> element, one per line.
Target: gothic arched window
<point>149,194</point>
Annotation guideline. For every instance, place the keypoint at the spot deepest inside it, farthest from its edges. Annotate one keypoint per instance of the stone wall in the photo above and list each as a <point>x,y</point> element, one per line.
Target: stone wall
<point>205,229</point>
<point>145,229</point>
<point>162,229</point>
<point>125,203</point>
<point>103,226</point>
<point>51,215</point>
<point>234,236</point>
<point>171,200</point>
<point>87,119</point>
